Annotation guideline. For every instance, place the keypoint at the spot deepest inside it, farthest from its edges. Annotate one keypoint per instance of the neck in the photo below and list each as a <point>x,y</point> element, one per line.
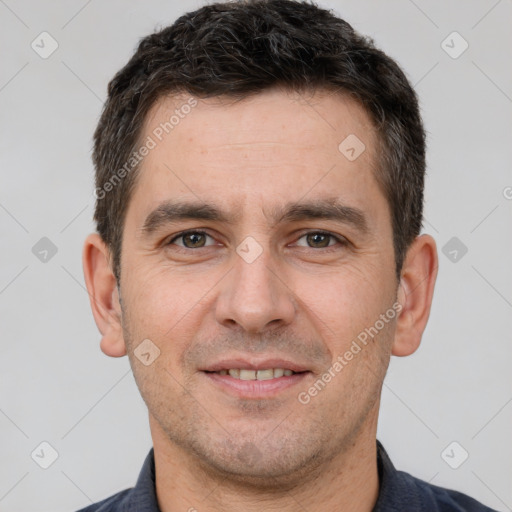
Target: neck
<point>348,481</point>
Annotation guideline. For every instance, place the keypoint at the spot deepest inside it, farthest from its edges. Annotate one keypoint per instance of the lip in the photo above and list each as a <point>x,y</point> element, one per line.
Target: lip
<point>255,364</point>
<point>255,389</point>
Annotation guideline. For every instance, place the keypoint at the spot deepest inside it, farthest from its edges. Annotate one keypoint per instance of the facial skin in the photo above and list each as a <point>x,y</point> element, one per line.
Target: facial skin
<point>303,299</point>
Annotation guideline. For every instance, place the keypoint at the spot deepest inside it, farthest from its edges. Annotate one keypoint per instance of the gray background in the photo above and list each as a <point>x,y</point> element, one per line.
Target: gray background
<point>55,383</point>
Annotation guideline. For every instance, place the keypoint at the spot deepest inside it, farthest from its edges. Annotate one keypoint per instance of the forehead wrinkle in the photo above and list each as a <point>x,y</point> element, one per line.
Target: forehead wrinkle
<point>257,144</point>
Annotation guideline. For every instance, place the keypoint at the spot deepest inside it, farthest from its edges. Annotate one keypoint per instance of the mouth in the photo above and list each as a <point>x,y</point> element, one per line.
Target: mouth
<point>258,380</point>
<point>266,374</point>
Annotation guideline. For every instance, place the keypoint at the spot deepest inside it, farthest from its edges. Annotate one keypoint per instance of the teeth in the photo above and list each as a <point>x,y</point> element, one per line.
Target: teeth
<point>247,374</point>
<point>267,374</point>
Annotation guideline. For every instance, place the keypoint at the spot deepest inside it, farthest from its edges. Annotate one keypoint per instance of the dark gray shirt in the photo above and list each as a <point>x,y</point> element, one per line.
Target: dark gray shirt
<point>398,491</point>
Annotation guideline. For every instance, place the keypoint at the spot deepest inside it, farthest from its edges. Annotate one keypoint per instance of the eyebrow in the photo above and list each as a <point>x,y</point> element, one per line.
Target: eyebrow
<point>169,212</point>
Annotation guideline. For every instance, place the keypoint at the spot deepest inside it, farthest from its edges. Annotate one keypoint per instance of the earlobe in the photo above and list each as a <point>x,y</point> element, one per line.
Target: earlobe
<point>103,295</point>
<point>415,294</point>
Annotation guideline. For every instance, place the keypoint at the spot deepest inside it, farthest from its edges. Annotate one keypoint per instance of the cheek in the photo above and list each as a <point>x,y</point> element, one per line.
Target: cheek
<point>165,305</point>
<point>341,304</point>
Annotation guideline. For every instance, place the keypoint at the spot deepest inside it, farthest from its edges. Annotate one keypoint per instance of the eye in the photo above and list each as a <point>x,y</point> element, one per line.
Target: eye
<point>320,240</point>
<point>191,239</point>
<point>196,239</point>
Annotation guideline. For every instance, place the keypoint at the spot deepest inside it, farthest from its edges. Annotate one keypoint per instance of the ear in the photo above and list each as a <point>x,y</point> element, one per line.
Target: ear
<point>415,293</point>
<point>103,295</point>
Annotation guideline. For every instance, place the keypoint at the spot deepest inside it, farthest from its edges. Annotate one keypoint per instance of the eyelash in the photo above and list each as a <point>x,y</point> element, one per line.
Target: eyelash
<point>341,240</point>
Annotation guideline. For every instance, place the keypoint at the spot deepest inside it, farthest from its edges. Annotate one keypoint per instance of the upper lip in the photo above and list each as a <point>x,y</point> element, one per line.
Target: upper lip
<point>253,363</point>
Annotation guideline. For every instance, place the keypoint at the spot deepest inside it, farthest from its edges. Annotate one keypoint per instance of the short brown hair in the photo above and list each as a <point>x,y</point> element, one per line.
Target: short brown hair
<point>238,49</point>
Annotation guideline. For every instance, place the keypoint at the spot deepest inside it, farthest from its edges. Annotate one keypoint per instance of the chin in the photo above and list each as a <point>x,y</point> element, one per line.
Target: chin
<point>281,464</point>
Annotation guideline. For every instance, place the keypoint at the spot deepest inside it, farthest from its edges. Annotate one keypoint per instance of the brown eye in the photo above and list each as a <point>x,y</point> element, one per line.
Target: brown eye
<point>191,240</point>
<point>319,240</point>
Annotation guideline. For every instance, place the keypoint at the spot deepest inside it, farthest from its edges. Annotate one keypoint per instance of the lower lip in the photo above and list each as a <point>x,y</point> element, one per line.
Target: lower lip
<point>255,388</point>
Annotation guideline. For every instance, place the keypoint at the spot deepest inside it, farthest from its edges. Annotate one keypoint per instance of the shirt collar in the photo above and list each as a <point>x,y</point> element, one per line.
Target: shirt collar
<point>392,484</point>
<point>142,498</point>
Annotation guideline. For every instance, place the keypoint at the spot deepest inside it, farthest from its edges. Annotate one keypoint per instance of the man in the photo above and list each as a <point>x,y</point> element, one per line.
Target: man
<point>259,182</point>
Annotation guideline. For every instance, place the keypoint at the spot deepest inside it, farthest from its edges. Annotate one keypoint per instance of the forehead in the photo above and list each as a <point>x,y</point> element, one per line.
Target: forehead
<point>303,119</point>
<point>259,153</point>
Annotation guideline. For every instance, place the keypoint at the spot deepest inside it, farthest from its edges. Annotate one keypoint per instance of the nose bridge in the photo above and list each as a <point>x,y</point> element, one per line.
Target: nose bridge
<point>254,296</point>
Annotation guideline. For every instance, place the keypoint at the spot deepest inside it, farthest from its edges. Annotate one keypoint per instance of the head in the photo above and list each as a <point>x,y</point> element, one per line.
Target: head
<point>293,151</point>
<point>237,50</point>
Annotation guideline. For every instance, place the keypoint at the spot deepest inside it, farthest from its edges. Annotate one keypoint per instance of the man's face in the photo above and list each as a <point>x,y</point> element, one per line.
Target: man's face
<point>267,284</point>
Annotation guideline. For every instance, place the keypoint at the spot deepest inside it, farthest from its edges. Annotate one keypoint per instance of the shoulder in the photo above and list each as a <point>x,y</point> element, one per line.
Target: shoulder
<point>402,491</point>
<point>115,503</point>
<point>440,499</point>
<point>140,498</point>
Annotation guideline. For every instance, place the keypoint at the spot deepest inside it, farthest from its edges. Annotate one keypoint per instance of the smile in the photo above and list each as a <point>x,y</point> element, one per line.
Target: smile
<point>256,384</point>
<point>243,374</point>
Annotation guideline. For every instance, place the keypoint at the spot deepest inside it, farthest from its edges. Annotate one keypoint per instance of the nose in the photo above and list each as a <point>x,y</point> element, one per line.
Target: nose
<point>255,297</point>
